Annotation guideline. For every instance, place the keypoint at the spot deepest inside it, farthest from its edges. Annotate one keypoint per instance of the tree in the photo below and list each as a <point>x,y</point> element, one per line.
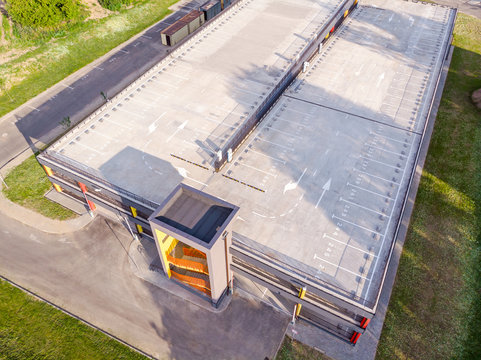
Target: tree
<point>40,14</point>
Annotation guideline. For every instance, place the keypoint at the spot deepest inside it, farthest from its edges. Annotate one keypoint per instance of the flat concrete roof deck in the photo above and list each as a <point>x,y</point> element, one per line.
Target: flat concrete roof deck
<point>329,165</point>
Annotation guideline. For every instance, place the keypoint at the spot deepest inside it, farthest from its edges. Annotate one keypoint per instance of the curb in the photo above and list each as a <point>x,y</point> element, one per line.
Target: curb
<point>35,220</point>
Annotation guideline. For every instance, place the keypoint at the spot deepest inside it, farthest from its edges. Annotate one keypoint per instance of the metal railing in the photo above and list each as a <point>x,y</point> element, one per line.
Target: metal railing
<point>91,175</point>
<point>295,68</point>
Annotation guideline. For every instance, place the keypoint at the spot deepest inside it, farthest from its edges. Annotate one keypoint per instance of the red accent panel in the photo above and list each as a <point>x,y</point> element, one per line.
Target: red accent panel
<point>91,205</point>
<point>365,322</point>
<point>332,30</point>
<point>82,187</point>
<point>355,337</point>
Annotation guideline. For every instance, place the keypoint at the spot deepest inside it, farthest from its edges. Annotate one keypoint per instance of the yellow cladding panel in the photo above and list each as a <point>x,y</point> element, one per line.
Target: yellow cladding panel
<point>57,187</point>
<point>327,36</point>
<point>48,170</point>
<point>139,229</point>
<point>355,2</point>
<point>346,13</point>
<point>298,309</point>
<point>134,211</point>
<point>160,238</point>
<point>302,292</point>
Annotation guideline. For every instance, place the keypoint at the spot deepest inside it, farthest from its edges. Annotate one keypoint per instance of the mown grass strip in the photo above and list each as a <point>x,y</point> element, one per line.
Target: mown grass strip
<point>84,42</point>
<point>435,308</point>
<point>294,350</point>
<point>31,329</point>
<point>27,185</point>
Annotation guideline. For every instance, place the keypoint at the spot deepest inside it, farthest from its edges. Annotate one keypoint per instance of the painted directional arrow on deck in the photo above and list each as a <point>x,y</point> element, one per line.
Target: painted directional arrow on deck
<point>326,187</point>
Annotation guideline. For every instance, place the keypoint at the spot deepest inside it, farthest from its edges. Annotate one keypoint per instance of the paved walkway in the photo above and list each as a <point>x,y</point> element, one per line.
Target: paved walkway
<point>40,222</point>
<point>36,123</point>
<point>89,273</point>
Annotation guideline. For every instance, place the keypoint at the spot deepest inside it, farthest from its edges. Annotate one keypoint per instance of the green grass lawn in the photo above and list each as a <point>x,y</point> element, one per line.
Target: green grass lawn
<point>27,185</point>
<point>31,329</point>
<point>294,350</point>
<point>46,62</point>
<point>435,309</point>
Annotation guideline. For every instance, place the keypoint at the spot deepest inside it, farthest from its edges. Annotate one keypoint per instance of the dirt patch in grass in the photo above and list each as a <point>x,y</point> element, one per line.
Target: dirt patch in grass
<point>95,9</point>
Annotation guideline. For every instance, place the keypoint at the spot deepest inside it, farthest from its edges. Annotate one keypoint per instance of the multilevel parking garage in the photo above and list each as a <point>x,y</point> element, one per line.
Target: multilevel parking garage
<point>318,186</point>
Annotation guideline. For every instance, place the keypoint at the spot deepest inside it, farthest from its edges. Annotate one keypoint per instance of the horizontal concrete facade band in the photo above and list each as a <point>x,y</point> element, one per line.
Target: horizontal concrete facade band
<point>315,307</point>
<point>101,202</point>
<point>350,309</point>
<point>92,185</point>
<point>339,327</point>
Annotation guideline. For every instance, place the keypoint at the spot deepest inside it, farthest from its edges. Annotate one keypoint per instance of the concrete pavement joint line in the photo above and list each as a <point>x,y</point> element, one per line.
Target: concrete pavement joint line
<point>352,114</point>
<point>38,297</point>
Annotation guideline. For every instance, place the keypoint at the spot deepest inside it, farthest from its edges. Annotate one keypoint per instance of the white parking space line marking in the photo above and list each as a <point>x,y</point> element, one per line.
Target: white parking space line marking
<point>346,244</point>
<point>388,138</point>
<point>357,225</point>
<point>124,51</point>
<point>99,68</point>
<point>102,134</point>
<point>67,86</point>
<point>369,191</point>
<point>118,124</point>
<point>198,146</point>
<point>181,127</point>
<point>341,268</point>
<point>282,132</point>
<point>88,147</point>
<point>384,150</point>
<point>254,168</point>
<point>380,162</point>
<point>246,91</point>
<point>289,121</point>
<point>270,142</point>
<point>374,176</point>
<point>362,207</point>
<point>128,112</point>
<point>183,172</point>
<point>271,157</point>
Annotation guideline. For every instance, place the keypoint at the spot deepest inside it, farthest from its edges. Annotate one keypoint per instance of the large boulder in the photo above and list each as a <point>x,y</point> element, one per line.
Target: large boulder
<point>477,98</point>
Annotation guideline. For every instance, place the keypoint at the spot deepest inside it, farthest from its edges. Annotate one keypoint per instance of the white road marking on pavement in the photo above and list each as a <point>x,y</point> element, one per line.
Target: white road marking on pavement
<point>291,185</point>
<point>154,125</point>
<point>381,78</point>
<point>326,187</point>
<point>181,127</point>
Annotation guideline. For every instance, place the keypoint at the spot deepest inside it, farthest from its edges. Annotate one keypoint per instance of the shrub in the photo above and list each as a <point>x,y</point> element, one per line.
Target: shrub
<point>44,14</point>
